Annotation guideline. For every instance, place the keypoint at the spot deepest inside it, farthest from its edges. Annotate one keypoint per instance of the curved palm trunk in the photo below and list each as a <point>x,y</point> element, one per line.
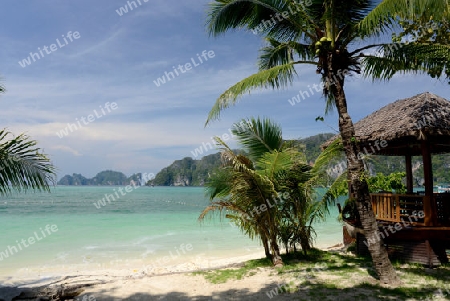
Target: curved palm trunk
<point>269,239</point>
<point>304,242</point>
<point>276,256</point>
<point>266,246</point>
<point>272,235</point>
<point>359,186</point>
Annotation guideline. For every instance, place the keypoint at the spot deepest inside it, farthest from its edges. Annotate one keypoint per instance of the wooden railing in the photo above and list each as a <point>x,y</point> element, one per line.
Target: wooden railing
<point>443,208</point>
<point>399,208</point>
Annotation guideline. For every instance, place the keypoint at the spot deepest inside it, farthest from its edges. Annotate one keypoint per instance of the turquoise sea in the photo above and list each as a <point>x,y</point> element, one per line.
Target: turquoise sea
<point>147,228</point>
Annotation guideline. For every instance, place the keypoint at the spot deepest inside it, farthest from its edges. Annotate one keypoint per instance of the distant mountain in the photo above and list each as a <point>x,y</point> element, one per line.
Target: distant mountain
<point>311,145</point>
<point>187,172</point>
<point>104,178</point>
<point>74,179</point>
<point>190,172</point>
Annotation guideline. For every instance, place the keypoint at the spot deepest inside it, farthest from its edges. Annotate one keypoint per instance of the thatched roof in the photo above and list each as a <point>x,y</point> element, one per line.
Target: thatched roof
<point>406,124</point>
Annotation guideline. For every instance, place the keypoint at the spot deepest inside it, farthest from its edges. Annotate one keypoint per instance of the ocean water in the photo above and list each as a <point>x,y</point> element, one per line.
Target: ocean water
<point>146,228</point>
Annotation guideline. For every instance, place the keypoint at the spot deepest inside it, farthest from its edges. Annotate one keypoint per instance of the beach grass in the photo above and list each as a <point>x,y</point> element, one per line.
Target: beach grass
<point>329,275</point>
<point>249,268</point>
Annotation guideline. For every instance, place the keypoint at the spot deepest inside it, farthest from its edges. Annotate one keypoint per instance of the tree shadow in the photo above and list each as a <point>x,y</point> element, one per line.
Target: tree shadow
<point>441,273</point>
<point>327,260</point>
<point>311,289</point>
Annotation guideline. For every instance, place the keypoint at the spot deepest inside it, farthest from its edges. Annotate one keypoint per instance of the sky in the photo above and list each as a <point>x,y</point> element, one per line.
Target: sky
<point>90,94</point>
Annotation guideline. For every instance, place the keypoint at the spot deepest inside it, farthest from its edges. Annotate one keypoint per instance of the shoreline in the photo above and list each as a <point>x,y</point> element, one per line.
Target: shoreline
<point>39,275</point>
<point>91,280</point>
<point>187,262</point>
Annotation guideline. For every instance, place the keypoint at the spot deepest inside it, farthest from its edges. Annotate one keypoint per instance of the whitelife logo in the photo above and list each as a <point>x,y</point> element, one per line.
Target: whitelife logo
<point>34,56</point>
<point>206,146</point>
<point>161,261</point>
<point>124,9</point>
<point>11,250</point>
<point>107,108</point>
<point>279,17</point>
<point>129,188</point>
<point>169,75</point>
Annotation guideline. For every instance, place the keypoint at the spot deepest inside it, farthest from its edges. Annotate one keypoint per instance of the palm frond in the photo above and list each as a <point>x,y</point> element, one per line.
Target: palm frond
<point>279,76</point>
<point>222,207</point>
<point>237,162</point>
<point>352,11</point>
<point>258,136</point>
<point>384,17</point>
<point>243,174</point>
<point>279,53</point>
<point>217,185</point>
<point>272,163</point>
<point>284,20</point>
<point>433,59</point>
<point>22,166</point>
<point>331,154</point>
<point>299,174</point>
<point>336,17</point>
<point>337,189</point>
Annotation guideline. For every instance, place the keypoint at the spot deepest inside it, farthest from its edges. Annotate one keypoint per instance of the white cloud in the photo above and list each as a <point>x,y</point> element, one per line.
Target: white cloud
<point>103,45</point>
<point>65,148</point>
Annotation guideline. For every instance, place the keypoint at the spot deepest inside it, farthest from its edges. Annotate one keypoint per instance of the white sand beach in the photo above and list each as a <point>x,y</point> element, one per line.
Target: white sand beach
<point>339,279</point>
<point>172,282</point>
<point>132,283</point>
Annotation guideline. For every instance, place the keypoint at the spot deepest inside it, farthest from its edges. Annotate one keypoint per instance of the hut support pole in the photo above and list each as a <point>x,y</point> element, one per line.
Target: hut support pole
<point>428,176</point>
<point>409,174</point>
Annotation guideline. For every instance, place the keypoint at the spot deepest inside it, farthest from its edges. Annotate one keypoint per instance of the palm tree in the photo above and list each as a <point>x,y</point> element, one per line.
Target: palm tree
<point>242,191</point>
<point>337,38</point>
<point>245,184</point>
<point>22,166</point>
<point>267,194</point>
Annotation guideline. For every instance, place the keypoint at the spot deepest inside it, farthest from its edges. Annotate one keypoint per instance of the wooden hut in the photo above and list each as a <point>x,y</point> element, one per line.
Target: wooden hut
<point>416,126</point>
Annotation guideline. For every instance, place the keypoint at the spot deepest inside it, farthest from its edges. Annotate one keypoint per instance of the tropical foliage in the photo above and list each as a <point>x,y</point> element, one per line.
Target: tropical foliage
<point>393,182</point>
<point>267,193</point>
<point>337,37</point>
<point>22,165</point>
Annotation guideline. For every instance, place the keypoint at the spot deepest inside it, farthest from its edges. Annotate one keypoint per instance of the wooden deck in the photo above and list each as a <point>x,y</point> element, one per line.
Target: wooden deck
<point>414,228</point>
<point>417,210</point>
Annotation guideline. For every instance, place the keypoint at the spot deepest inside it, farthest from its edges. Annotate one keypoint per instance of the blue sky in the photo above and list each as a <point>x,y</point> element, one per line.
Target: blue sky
<point>116,59</point>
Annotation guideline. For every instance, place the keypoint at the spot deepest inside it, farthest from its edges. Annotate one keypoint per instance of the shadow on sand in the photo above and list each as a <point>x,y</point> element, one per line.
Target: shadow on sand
<point>308,291</point>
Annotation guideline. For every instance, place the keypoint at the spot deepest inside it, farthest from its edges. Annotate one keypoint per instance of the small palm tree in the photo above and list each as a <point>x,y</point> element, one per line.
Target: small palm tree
<point>242,190</point>
<point>267,194</point>
<point>337,37</point>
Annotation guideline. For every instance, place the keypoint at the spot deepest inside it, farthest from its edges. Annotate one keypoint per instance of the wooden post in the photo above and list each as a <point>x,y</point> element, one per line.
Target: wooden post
<point>409,174</point>
<point>430,214</point>
<point>397,208</point>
